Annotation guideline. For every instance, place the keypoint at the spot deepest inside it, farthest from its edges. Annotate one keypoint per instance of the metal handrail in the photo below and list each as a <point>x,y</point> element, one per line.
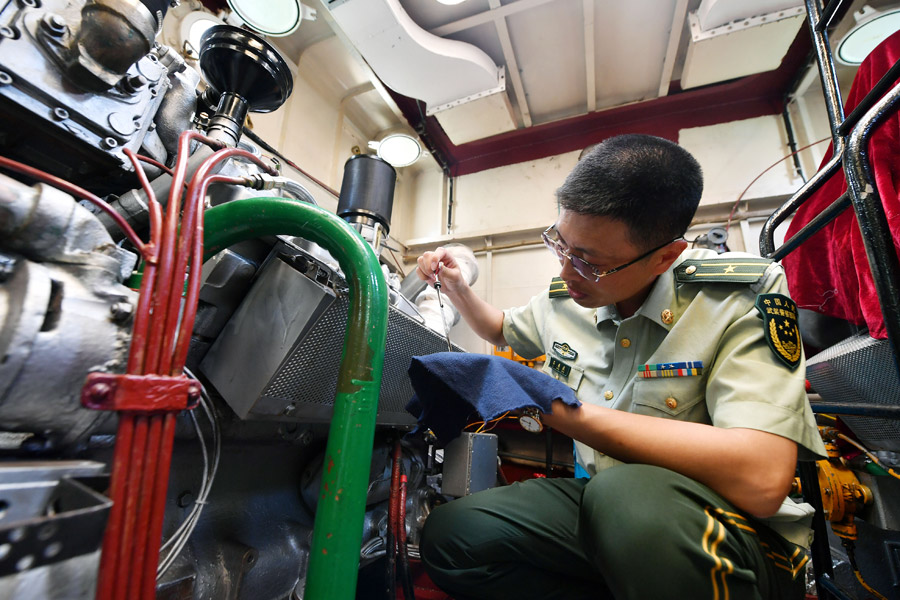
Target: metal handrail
<point>849,152</point>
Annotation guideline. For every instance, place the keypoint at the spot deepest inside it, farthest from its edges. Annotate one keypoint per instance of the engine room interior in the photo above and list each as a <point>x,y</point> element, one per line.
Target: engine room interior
<point>213,331</point>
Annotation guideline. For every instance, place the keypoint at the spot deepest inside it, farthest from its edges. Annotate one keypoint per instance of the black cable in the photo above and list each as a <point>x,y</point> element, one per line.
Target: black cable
<point>850,546</point>
<point>450,204</point>
<point>792,142</point>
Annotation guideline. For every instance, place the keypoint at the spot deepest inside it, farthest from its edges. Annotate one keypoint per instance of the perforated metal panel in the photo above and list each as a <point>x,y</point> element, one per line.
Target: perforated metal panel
<point>308,378</point>
<point>279,355</point>
<point>860,369</point>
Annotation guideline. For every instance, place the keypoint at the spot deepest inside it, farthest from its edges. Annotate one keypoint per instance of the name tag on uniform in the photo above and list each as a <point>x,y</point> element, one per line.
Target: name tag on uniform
<point>673,369</point>
<point>564,350</point>
<point>558,366</point>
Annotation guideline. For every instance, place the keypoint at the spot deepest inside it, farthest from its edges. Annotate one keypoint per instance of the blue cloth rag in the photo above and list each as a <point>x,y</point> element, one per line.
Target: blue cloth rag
<point>453,388</point>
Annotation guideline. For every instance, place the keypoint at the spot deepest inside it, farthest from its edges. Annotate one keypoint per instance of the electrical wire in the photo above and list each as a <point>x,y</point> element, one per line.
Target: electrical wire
<point>766,170</point>
<point>493,423</point>
<point>871,456</point>
<point>850,546</point>
<point>397,262</point>
<point>176,542</point>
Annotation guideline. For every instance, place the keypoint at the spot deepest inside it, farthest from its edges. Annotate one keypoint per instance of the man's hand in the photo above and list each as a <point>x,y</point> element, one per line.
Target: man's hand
<point>484,319</point>
<point>450,275</point>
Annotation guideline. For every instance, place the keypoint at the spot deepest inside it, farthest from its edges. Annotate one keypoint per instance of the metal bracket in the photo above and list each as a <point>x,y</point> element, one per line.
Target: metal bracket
<point>139,393</point>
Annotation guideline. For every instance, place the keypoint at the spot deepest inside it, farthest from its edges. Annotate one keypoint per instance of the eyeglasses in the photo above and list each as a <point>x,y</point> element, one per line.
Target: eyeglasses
<point>583,267</point>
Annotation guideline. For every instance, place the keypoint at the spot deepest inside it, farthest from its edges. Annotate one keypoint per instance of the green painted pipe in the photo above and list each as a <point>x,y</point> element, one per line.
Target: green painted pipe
<point>337,533</point>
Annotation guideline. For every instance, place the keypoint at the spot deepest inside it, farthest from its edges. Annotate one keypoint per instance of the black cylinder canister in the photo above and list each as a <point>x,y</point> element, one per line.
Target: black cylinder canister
<point>367,190</point>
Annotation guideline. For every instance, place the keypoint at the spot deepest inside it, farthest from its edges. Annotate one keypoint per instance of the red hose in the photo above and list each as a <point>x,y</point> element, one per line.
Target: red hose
<point>143,452</point>
<point>167,257</point>
<point>151,161</point>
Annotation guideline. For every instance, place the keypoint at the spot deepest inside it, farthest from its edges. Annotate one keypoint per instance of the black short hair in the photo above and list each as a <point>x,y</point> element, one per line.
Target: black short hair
<point>650,184</point>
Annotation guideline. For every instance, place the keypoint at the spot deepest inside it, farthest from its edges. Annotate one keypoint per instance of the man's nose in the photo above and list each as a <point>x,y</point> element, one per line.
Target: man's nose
<point>567,271</point>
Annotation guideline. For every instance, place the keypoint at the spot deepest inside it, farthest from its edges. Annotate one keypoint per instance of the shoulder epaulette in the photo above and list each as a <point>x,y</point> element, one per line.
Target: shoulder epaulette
<point>558,288</point>
<point>734,270</point>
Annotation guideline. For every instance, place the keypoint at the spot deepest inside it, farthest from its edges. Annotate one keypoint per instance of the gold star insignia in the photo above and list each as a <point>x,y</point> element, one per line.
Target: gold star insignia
<point>729,269</point>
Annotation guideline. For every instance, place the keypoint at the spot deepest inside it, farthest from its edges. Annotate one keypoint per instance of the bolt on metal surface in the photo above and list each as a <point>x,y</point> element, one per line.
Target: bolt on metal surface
<point>121,311</point>
<point>54,25</point>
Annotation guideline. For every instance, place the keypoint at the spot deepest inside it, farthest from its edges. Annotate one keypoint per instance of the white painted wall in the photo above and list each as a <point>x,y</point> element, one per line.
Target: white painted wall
<point>420,205</point>
<point>510,198</point>
<point>733,154</point>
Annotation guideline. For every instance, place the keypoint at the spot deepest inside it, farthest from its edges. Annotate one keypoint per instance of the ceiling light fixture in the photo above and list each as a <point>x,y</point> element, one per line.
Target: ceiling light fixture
<point>398,149</point>
<point>275,18</point>
<point>872,27</point>
<point>450,2</point>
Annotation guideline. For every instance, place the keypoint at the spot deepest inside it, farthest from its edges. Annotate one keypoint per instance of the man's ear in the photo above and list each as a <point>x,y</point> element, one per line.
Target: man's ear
<point>664,258</point>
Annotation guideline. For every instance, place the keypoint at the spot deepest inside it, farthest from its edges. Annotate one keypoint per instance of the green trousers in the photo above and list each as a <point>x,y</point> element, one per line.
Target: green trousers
<point>630,532</point>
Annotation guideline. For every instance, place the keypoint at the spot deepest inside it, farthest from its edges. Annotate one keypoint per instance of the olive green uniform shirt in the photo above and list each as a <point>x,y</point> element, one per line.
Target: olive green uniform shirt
<point>741,383</point>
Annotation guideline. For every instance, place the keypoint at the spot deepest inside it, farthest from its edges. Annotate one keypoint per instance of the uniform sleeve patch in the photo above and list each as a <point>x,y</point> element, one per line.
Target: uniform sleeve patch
<point>558,288</point>
<point>736,270</point>
<point>779,315</point>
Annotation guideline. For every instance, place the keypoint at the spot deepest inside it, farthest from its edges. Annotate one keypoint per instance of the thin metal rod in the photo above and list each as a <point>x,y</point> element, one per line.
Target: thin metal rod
<point>767,236</point>
<point>828,13</point>
<point>818,222</point>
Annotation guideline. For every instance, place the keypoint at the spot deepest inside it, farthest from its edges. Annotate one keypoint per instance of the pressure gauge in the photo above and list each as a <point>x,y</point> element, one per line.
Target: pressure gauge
<point>530,420</point>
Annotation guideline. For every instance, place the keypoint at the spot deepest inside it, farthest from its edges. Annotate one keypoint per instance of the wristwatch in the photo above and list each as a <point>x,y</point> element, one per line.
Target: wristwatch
<point>530,420</point>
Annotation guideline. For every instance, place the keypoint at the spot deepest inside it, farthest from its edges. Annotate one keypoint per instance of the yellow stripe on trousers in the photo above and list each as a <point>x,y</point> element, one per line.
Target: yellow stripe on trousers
<point>722,566</point>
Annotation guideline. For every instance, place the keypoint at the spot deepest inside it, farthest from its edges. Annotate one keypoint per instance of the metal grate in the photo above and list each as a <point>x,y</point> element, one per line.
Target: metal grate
<point>860,369</point>
<point>307,379</point>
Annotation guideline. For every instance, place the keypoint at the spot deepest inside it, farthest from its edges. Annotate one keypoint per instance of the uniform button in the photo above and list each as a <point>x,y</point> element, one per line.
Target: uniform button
<point>672,403</point>
<point>691,270</point>
<point>608,394</point>
<point>667,316</point>
<point>625,343</point>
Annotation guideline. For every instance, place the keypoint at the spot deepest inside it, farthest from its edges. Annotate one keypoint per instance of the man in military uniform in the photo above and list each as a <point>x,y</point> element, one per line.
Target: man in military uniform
<point>694,412</point>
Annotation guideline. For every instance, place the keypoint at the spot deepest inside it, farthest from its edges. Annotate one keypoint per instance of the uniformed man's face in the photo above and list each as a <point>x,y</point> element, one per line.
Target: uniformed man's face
<point>604,243</point>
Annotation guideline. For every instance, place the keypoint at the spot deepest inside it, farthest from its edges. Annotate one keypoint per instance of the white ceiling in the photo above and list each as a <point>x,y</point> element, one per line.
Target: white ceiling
<point>563,60</point>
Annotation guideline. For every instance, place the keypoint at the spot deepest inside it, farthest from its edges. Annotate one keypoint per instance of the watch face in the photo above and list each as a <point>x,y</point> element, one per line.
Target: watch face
<point>531,424</point>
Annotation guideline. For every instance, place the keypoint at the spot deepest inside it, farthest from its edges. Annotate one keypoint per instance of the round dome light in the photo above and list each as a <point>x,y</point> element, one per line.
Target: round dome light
<point>399,150</point>
<point>872,29</point>
<point>274,18</point>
